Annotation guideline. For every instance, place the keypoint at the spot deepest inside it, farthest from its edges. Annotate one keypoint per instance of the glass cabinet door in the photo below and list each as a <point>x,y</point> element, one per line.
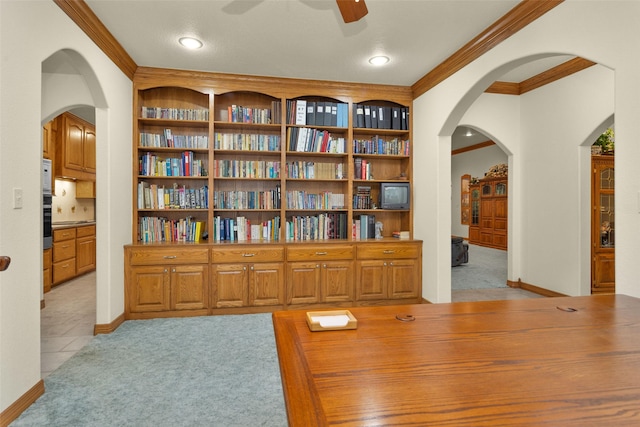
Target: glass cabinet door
<point>606,209</point>
<point>475,206</point>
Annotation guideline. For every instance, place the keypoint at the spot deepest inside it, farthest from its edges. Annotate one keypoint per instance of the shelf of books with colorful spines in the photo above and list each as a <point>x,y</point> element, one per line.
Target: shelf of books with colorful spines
<point>154,229</point>
<point>311,140</point>
<point>265,199</point>
<point>322,226</point>
<point>381,115</point>
<point>381,145</point>
<point>250,108</point>
<point>235,168</point>
<point>183,164</point>
<point>244,228</point>
<point>153,196</point>
<point>249,142</point>
<point>178,138</point>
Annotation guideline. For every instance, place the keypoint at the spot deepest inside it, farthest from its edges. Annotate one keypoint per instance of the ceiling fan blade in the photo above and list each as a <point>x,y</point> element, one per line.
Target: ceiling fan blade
<point>352,10</point>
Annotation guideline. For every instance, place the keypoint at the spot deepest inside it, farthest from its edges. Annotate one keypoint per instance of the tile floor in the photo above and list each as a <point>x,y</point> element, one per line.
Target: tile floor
<point>67,321</point>
<point>491,294</point>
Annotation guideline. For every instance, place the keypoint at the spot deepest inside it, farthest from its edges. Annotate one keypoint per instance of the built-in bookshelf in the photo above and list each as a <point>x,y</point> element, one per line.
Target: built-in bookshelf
<point>235,160</point>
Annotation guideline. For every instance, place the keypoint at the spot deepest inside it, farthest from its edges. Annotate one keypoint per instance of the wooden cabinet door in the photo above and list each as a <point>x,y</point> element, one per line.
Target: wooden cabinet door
<point>303,283</point>
<point>89,150</point>
<point>73,143</point>
<point>371,283</point>
<point>149,289</point>
<point>229,285</point>
<point>604,273</point>
<point>189,287</point>
<point>337,281</point>
<point>85,254</point>
<point>403,278</point>
<point>266,284</point>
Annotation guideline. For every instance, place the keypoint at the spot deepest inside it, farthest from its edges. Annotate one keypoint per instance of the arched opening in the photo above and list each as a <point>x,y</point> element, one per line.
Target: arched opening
<point>70,87</point>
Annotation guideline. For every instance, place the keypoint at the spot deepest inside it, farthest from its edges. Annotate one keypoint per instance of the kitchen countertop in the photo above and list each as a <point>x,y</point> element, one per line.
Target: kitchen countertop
<point>68,224</point>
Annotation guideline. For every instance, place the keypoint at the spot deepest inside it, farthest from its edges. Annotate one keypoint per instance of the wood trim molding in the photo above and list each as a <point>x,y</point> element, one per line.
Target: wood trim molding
<point>472,147</point>
<point>14,410</point>
<point>551,75</point>
<point>517,18</point>
<point>535,289</point>
<point>83,16</point>
<point>107,328</point>
<point>558,72</point>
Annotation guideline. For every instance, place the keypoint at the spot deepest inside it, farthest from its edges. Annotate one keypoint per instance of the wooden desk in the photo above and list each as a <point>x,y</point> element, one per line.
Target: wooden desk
<point>520,362</point>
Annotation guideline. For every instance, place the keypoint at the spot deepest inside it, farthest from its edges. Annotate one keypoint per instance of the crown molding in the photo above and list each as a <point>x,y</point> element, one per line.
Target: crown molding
<point>551,75</point>
<point>517,18</point>
<point>83,16</point>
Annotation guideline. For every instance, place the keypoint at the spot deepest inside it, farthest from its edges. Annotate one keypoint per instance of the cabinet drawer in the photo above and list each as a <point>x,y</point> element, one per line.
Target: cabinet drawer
<point>64,270</point>
<point>247,254</point>
<point>64,234</point>
<point>383,251</point>
<point>320,252</point>
<point>88,230</point>
<point>172,255</point>
<point>64,250</point>
<point>46,259</point>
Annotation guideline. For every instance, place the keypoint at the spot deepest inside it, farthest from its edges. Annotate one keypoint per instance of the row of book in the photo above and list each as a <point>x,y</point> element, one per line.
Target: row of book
<point>246,169</point>
<point>175,113</point>
<point>361,169</point>
<point>240,114</point>
<point>153,196</point>
<point>161,230</point>
<point>151,164</point>
<point>364,227</point>
<point>317,113</point>
<point>242,229</point>
<point>314,170</point>
<point>246,142</point>
<point>168,140</point>
<point>267,199</point>
<point>362,198</point>
<point>319,201</point>
<point>310,140</point>
<point>380,117</point>
<point>377,145</point>
<point>323,226</point>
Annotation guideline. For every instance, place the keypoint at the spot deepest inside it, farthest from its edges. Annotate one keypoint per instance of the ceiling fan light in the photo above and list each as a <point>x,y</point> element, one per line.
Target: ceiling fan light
<point>378,60</point>
<point>190,43</point>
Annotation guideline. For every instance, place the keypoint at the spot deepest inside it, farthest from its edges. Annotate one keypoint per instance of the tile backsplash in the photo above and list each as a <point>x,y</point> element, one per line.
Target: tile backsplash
<point>67,208</point>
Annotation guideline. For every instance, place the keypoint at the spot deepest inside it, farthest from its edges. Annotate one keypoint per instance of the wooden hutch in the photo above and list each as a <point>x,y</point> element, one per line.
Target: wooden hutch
<point>603,237</point>
<point>489,211</point>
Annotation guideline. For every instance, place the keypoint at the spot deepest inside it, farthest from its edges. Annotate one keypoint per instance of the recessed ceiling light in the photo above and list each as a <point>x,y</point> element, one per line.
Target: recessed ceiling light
<point>378,60</point>
<point>190,43</point>
<point>469,133</point>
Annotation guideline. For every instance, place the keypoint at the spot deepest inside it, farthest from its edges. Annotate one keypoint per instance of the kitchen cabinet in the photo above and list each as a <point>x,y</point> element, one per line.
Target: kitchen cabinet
<point>166,282</point>
<point>64,255</point>
<point>46,270</point>
<point>247,276</point>
<point>85,249</point>
<point>75,148</point>
<point>319,274</point>
<point>387,273</point>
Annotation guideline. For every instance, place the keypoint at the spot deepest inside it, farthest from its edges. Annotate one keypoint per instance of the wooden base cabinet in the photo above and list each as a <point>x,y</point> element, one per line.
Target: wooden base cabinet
<point>320,274</point>
<point>174,280</point>
<point>389,273</point>
<point>247,276</point>
<point>46,270</point>
<point>166,282</point>
<point>85,249</point>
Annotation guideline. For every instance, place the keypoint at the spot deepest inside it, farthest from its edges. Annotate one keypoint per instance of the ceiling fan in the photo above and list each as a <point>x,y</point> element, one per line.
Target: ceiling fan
<point>352,10</point>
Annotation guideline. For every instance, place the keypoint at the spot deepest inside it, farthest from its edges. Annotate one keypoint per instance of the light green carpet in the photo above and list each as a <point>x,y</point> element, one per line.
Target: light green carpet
<point>487,268</point>
<point>201,371</point>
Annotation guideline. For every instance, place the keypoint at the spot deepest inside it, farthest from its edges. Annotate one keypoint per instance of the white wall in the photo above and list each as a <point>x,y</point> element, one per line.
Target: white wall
<point>44,29</point>
<point>552,124</point>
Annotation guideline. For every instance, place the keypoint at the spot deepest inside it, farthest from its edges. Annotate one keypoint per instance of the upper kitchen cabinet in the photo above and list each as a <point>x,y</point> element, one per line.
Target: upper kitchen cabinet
<point>75,148</point>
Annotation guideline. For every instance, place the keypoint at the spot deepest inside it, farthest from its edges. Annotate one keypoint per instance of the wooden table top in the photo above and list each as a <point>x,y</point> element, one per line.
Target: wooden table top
<point>552,361</point>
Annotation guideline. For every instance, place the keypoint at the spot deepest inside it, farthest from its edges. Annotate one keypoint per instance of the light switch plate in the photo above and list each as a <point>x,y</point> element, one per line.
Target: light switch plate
<point>17,198</point>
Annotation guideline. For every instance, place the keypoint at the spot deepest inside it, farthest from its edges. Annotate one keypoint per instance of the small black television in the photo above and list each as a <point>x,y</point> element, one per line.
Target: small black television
<point>395,195</point>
